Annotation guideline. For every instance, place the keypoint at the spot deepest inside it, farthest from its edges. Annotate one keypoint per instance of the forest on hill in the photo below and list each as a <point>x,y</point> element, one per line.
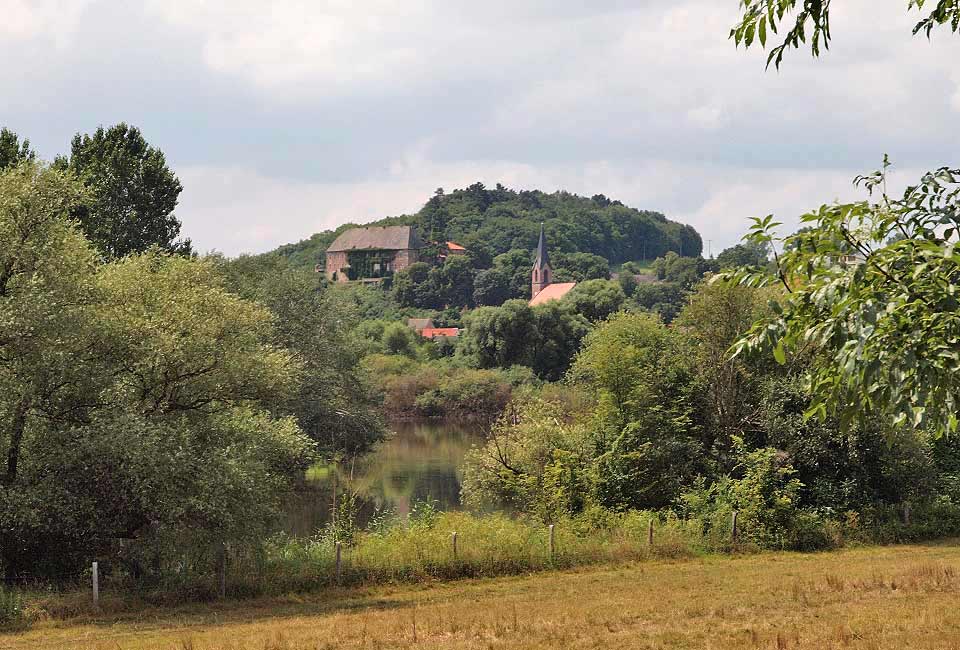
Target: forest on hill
<point>491,222</point>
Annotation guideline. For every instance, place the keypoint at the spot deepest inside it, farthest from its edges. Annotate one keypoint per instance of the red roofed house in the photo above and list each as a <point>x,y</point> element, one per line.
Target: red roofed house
<point>440,332</point>
<point>542,288</point>
<point>455,249</point>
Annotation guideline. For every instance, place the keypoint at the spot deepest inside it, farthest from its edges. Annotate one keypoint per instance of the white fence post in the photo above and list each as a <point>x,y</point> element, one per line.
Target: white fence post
<point>552,542</point>
<point>96,584</point>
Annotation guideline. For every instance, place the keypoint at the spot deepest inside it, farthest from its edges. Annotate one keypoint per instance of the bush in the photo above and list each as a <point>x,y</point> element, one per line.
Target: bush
<point>11,609</point>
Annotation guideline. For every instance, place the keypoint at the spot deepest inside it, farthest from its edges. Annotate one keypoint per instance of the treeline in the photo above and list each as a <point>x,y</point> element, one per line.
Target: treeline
<point>153,401</point>
<point>492,222</point>
<point>673,424</point>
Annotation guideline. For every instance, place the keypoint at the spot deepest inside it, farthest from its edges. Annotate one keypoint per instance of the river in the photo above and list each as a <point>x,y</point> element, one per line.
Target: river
<point>421,461</point>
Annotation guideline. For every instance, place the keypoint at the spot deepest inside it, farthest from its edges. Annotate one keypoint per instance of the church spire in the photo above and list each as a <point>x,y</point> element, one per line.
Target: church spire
<point>542,273</point>
<point>543,259</point>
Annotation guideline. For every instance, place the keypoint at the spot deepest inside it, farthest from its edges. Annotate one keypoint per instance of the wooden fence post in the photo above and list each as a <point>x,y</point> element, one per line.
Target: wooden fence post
<point>339,571</point>
<point>454,539</point>
<point>734,530</point>
<point>650,532</point>
<point>96,584</point>
<point>552,543</point>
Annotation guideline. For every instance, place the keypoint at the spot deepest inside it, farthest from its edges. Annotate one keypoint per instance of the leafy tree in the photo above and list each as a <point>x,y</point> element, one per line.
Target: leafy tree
<point>491,287</point>
<point>399,339</point>
<point>452,283</point>
<point>411,289</point>
<point>334,404</point>
<point>559,332</point>
<point>685,271</point>
<point>762,18</point>
<point>595,299</point>
<point>516,264</point>
<point>665,299</point>
<point>132,192</point>
<point>881,314</point>
<point>745,254</point>
<point>12,151</point>
<point>578,267</point>
<point>115,424</point>
<point>500,337</point>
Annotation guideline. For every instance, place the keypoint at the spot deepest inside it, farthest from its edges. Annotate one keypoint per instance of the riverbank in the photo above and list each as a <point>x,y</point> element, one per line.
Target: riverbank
<point>878,598</point>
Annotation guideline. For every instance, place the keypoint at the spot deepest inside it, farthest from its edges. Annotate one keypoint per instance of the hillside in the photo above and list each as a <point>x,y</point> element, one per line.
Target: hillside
<point>493,221</point>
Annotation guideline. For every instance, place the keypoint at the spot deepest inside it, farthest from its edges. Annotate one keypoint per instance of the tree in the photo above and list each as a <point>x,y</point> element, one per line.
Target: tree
<point>500,337</point>
<point>881,314</point>
<point>559,332</point>
<point>577,267</point>
<point>491,287</point>
<point>685,271</point>
<point>115,424</point>
<point>132,192</point>
<point>665,299</point>
<point>745,254</point>
<point>334,403</point>
<point>595,299</point>
<point>12,151</point>
<point>760,18</point>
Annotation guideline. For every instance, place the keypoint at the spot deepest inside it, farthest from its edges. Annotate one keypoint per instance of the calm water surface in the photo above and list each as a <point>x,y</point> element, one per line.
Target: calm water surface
<point>420,461</point>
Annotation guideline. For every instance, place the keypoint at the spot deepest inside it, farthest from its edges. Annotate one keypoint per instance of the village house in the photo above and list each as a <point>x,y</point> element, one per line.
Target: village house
<point>372,253</point>
<point>542,287</point>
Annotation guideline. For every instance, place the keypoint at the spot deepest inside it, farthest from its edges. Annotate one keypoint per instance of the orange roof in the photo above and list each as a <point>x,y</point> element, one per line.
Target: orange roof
<point>455,247</point>
<point>431,332</point>
<point>552,292</point>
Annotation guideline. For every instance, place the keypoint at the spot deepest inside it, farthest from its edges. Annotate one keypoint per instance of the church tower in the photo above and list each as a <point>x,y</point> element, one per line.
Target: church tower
<point>542,272</point>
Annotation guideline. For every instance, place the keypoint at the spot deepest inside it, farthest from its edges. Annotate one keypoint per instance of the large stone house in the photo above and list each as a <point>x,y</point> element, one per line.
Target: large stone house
<point>372,252</point>
<point>542,287</point>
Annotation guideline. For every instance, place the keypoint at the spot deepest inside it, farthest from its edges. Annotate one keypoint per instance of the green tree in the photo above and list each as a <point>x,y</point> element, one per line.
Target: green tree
<point>745,254</point>
<point>500,337</point>
<point>116,424</point>
<point>132,193</point>
<point>12,151</point>
<point>809,22</point>
<point>595,299</point>
<point>491,287</point>
<point>879,311</point>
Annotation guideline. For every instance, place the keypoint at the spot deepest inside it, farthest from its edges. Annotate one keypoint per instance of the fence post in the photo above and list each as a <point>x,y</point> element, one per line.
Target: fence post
<point>222,571</point>
<point>650,532</point>
<point>552,543</point>
<point>734,530</point>
<point>338,562</point>
<point>96,584</point>
<point>454,538</point>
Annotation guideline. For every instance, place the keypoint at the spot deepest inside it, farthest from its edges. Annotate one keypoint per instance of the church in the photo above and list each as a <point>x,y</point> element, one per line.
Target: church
<point>542,287</point>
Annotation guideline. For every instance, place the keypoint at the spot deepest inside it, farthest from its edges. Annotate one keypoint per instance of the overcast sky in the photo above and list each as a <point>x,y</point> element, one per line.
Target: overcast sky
<point>286,118</point>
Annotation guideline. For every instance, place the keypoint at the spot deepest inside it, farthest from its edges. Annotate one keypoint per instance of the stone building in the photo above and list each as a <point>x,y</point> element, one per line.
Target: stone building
<point>372,253</point>
<point>542,287</point>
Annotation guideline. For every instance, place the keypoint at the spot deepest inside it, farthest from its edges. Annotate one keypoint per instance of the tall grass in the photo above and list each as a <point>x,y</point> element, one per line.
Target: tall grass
<point>11,609</point>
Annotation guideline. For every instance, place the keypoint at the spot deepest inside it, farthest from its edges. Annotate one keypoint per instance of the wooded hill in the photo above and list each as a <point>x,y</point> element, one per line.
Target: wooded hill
<point>489,222</point>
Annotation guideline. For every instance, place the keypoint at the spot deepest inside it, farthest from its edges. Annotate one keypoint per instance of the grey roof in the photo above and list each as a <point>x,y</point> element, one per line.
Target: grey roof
<point>420,323</point>
<point>377,237</point>
<point>543,259</point>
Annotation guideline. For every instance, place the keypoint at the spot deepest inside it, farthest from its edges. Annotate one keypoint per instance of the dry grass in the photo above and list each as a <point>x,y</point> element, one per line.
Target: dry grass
<point>876,598</point>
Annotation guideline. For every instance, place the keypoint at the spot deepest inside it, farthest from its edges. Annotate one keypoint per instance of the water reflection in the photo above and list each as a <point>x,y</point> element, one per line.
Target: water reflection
<point>421,461</point>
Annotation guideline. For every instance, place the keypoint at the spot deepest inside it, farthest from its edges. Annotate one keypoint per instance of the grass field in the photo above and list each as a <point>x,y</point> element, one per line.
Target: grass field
<point>877,598</point>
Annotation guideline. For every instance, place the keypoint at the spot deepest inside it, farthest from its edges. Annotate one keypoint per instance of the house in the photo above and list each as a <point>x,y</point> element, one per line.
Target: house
<point>542,287</point>
<point>372,253</point>
<point>454,249</point>
<point>440,332</point>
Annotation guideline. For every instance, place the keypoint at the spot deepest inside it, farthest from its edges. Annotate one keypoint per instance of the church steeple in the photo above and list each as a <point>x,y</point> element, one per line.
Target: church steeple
<point>542,273</point>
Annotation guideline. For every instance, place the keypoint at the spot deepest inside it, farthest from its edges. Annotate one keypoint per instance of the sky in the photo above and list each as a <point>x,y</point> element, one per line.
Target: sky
<point>282,119</point>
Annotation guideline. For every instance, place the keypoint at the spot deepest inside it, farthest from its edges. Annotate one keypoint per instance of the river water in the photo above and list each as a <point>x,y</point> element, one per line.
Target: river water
<point>421,461</point>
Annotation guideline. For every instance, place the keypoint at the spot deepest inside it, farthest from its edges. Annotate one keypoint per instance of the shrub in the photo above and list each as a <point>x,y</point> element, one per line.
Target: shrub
<point>11,609</point>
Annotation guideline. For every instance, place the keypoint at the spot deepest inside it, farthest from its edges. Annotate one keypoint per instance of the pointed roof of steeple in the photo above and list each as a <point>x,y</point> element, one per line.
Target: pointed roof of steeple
<point>543,259</point>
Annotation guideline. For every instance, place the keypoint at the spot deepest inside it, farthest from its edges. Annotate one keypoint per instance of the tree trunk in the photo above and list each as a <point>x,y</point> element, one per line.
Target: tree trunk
<point>17,427</point>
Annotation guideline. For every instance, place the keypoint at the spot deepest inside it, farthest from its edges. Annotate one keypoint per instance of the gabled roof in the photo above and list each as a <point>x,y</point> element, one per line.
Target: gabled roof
<point>434,332</point>
<point>377,237</point>
<point>543,259</point>
<point>454,246</point>
<point>552,292</point>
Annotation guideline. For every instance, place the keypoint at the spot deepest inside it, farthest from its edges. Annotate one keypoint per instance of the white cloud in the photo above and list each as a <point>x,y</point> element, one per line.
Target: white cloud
<point>54,20</point>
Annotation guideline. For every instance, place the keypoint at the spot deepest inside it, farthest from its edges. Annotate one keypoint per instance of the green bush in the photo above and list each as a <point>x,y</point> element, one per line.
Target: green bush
<point>11,609</point>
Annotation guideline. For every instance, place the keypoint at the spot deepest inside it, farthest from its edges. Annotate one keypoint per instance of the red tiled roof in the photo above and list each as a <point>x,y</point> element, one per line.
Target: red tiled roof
<point>552,292</point>
<point>431,332</point>
<point>455,247</point>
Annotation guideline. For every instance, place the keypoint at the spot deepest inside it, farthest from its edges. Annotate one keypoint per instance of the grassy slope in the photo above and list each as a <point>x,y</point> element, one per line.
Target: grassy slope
<point>877,598</point>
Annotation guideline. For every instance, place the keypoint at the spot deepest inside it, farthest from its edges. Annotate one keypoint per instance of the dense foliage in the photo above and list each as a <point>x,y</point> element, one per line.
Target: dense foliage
<point>491,222</point>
